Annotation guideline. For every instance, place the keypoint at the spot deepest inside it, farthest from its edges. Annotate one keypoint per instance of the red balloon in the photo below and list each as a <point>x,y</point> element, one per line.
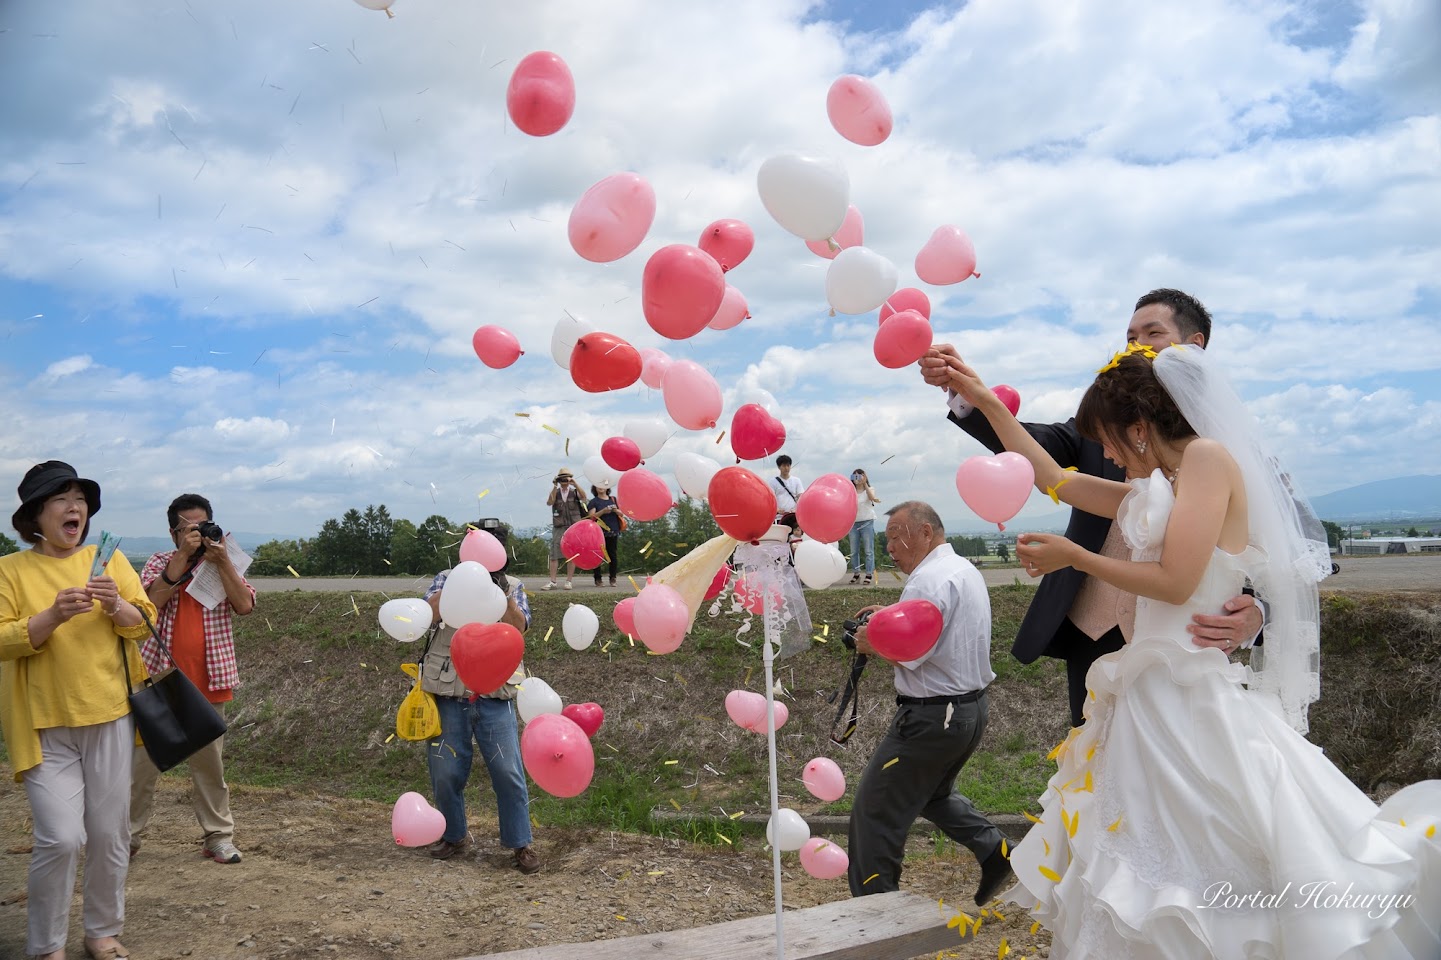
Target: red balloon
<point>496,346</point>
<point>587,716</point>
<point>681,289</point>
<point>624,616</point>
<point>541,94</point>
<point>603,361</point>
<point>826,511</point>
<point>755,434</point>
<point>904,631</point>
<point>906,298</point>
<point>902,340</point>
<point>728,241</point>
<point>742,503</point>
<point>1009,397</point>
<point>584,543</point>
<point>718,583</point>
<point>486,654</point>
<point>620,453</point>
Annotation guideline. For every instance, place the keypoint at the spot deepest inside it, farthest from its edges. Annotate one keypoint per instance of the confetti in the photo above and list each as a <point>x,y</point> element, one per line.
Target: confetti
<point>891,763</point>
<point>720,438</point>
<point>1431,831</point>
<point>1003,949</point>
<point>870,878</point>
<point>671,763</point>
<point>356,607</point>
<point>567,446</point>
<point>526,415</point>
<point>1035,928</point>
<point>1032,817</point>
<point>390,738</point>
<point>482,494</point>
<point>655,873</point>
<point>546,426</point>
<point>1115,826</point>
<point>292,570</point>
<point>548,632</point>
<point>721,836</point>
<point>738,814</point>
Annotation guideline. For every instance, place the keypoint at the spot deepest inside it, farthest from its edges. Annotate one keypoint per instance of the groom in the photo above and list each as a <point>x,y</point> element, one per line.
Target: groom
<point>1074,617</point>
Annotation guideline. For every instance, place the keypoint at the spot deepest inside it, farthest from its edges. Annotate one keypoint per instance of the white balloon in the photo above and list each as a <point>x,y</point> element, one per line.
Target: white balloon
<point>649,435</point>
<point>470,596</point>
<point>567,331</point>
<point>376,4</point>
<point>793,832</point>
<point>535,697</point>
<point>600,473</point>
<point>407,619</point>
<point>859,280</point>
<point>579,625</point>
<point>808,196</point>
<point>694,472</point>
<point>819,564</point>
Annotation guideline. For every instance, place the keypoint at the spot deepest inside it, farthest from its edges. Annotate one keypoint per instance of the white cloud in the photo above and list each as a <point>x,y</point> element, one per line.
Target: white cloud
<point>69,367</point>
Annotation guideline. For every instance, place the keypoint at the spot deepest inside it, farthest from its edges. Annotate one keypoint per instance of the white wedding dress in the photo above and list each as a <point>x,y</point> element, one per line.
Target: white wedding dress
<point>1187,819</point>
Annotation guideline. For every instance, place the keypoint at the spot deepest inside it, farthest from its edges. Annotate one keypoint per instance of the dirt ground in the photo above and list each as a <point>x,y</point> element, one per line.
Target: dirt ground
<point>323,877</point>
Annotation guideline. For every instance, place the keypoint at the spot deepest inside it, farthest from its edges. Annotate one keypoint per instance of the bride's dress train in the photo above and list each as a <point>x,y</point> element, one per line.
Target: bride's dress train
<point>1187,819</point>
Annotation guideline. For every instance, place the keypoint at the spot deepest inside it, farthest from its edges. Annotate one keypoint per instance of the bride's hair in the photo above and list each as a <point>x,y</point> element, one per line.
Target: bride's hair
<point>1127,391</point>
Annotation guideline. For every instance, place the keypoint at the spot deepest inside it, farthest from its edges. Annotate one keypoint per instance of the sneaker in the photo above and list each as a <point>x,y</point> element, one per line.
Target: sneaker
<point>567,584</point>
<point>995,870</point>
<point>549,586</point>
<point>444,849</point>
<point>612,583</point>
<point>222,851</point>
<point>526,860</point>
<point>598,584</point>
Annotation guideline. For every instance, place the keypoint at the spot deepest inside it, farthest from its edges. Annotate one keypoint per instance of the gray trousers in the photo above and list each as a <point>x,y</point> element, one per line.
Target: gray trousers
<point>79,798</point>
<point>928,754</point>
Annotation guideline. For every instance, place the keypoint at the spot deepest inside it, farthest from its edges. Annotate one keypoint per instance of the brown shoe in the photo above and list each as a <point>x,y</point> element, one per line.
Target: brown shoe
<point>526,860</point>
<point>444,849</point>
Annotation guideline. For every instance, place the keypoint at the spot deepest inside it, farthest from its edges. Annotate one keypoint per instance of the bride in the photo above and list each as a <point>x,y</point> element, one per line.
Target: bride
<point>1189,817</point>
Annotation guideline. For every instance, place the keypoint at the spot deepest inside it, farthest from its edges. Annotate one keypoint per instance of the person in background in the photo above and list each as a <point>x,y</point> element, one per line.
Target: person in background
<point>567,506</point>
<point>788,490</point>
<point>63,707</point>
<point>863,531</point>
<point>202,646</point>
<point>603,510</point>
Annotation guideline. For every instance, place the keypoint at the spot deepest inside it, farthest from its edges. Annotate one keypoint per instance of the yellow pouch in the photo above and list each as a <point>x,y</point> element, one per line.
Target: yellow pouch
<point>418,717</point>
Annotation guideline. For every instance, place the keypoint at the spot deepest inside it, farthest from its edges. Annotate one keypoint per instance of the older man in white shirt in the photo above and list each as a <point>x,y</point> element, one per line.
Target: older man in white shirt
<point>941,713</point>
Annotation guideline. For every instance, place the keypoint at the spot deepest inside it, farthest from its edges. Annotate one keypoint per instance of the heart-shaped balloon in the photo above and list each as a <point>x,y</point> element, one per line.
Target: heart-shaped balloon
<point>583,544</point>
<point>557,755</point>
<point>587,716</point>
<point>851,234</point>
<point>624,616</point>
<point>603,361</point>
<point>642,495</point>
<point>904,631</point>
<point>996,488</point>
<point>728,241</point>
<point>1009,396</point>
<point>680,289</point>
<point>906,298</point>
<point>902,339</point>
<point>414,822</point>
<point>948,257</point>
<point>824,779</point>
<point>827,509</point>
<point>755,434</point>
<point>485,655</point>
<point>823,859</point>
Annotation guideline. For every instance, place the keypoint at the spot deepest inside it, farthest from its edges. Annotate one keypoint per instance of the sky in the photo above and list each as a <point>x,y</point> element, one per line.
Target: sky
<point>243,247</point>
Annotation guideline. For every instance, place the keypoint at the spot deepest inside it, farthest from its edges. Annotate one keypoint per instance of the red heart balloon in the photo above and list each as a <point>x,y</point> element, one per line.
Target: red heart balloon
<point>904,631</point>
<point>755,434</point>
<point>486,654</point>
<point>741,502</point>
<point>1009,397</point>
<point>583,544</point>
<point>620,453</point>
<point>624,616</point>
<point>902,340</point>
<point>587,716</point>
<point>603,361</point>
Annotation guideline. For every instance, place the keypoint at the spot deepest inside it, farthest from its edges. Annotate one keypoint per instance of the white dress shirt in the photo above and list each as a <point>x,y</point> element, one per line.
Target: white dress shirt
<point>961,659</point>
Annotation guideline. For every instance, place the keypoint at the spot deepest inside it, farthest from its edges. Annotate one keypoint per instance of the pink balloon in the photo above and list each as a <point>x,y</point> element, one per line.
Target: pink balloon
<point>904,631</point>
<point>851,234</point>
<point>612,217</point>
<point>902,340</point>
<point>620,453</point>
<point>1009,397</point>
<point>584,544</point>
<point>748,710</point>
<point>756,434</point>
<point>496,346</point>
<point>414,822</point>
<point>823,778</point>
<point>624,616</point>
<point>731,312</point>
<point>826,511</point>
<point>858,110</point>
<point>906,298</point>
<point>557,754</point>
<point>482,547</point>
<point>587,716</point>
<point>823,859</point>
<point>948,257</point>
<point>681,289</point>
<point>654,364</point>
<point>541,94</point>
<point>692,397</point>
<point>641,495</point>
<point>661,617</point>
<point>729,242</point>
<point>996,488</point>
<point>718,582</point>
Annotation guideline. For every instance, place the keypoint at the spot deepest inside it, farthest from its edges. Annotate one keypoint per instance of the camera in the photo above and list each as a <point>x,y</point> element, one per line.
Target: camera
<point>209,530</point>
<point>849,693</point>
<point>849,628</point>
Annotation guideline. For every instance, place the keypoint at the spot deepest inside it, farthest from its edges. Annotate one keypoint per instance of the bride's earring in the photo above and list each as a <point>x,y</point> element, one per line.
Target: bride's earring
<point>1141,447</point>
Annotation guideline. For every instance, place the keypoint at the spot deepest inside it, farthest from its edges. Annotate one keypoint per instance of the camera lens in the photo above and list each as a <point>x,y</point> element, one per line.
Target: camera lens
<point>209,530</point>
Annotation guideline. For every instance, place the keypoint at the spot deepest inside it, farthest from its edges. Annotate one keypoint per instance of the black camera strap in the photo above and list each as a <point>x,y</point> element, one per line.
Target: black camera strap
<point>850,695</point>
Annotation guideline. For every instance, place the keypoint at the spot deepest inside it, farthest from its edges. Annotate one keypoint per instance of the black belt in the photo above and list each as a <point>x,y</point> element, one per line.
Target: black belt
<point>970,697</point>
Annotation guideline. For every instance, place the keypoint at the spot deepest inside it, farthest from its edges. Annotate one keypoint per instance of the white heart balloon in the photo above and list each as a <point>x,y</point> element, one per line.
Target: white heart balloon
<point>694,473</point>
<point>859,280</point>
<point>470,596</point>
<point>792,832</point>
<point>579,626</point>
<point>819,564</point>
<point>600,473</point>
<point>405,619</point>
<point>808,196</point>
<point>649,435</point>
<point>567,331</point>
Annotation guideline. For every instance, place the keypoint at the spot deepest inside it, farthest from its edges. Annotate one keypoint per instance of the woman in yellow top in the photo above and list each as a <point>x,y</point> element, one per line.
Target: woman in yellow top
<point>64,709</point>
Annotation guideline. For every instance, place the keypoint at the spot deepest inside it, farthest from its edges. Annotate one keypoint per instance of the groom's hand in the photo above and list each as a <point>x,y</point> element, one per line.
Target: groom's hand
<point>1228,631</point>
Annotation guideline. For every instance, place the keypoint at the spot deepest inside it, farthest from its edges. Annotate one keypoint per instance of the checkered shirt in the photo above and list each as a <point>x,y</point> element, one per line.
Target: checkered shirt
<point>219,635</point>
<point>517,592</point>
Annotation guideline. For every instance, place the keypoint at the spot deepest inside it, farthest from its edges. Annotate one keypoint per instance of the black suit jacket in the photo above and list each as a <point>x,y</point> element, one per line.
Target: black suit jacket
<point>1058,590</point>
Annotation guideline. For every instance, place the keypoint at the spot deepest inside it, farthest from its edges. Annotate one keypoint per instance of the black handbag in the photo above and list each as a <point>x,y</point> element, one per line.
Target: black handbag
<point>173,717</point>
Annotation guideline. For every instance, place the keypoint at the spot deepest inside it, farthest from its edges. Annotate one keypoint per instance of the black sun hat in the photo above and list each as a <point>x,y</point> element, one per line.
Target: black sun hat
<point>46,479</point>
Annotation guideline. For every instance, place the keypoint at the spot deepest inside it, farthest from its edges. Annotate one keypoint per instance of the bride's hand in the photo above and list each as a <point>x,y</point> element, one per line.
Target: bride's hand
<point>1042,553</point>
<point>966,384</point>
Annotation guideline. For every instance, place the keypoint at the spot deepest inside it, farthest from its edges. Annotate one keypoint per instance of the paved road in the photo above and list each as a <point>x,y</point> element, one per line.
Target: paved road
<point>1358,575</point>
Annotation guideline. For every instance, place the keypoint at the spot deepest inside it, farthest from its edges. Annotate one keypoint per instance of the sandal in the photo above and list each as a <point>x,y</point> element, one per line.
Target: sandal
<point>867,581</point>
<point>856,577</point>
<point>113,952</point>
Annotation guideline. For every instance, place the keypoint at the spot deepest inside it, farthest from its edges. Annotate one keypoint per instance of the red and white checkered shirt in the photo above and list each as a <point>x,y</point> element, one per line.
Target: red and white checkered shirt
<point>219,636</point>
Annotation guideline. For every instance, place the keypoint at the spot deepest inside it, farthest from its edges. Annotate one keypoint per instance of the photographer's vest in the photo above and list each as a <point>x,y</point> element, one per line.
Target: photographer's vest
<point>438,676</point>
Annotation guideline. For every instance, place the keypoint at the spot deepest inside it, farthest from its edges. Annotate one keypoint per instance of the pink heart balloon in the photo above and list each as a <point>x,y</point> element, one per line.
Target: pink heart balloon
<point>996,488</point>
<point>743,706</point>
<point>731,312</point>
<point>587,716</point>
<point>541,94</point>
<point>823,778</point>
<point>852,233</point>
<point>661,617</point>
<point>906,298</point>
<point>858,110</point>
<point>948,257</point>
<point>496,346</point>
<point>557,754</point>
<point>482,547</point>
<point>414,822</point>
<point>823,859</point>
<point>904,631</point>
<point>680,290</point>
<point>826,511</point>
<point>755,433</point>
<point>902,340</point>
<point>692,397</point>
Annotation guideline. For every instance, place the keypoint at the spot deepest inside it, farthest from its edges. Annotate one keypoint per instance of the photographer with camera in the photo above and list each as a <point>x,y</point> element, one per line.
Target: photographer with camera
<point>567,506</point>
<point>941,713</point>
<point>202,645</point>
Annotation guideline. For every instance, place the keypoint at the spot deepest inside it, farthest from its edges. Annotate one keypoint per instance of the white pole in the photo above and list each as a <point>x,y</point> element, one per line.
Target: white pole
<point>775,798</point>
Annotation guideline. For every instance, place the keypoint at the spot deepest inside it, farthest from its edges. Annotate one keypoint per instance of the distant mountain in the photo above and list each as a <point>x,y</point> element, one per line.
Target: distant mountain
<point>1399,498</point>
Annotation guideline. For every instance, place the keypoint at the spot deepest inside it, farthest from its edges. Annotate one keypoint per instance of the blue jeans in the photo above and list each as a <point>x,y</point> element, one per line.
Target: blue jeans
<point>490,723</point>
<point>863,531</point>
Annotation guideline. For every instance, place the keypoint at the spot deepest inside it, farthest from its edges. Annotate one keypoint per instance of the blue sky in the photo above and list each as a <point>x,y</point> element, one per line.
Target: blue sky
<point>243,248</point>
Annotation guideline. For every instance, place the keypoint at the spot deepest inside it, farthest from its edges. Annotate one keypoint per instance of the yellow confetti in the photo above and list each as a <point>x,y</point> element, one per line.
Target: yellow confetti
<point>1115,826</point>
<point>1004,949</point>
<point>632,583</point>
<point>483,494</point>
<point>746,681</point>
<point>546,426</point>
<point>674,804</point>
<point>999,915</point>
<point>1035,928</point>
<point>1087,786</point>
<point>870,878</point>
<point>1049,874</point>
<point>620,916</point>
<point>1004,852</point>
<point>977,928</point>
<point>721,836</point>
<point>1046,846</point>
<point>548,631</point>
<point>387,562</point>
<point>891,762</point>
<point>818,638</point>
<point>671,763</point>
<point>1033,818</point>
<point>738,814</point>
<point>362,666</point>
<point>1056,750</point>
<point>825,629</point>
<point>655,873</point>
<point>1403,821</point>
<point>390,738</point>
<point>526,415</point>
<point>960,921</point>
<point>354,606</point>
<point>1091,753</point>
<point>1075,822</point>
<point>1431,831</point>
<point>613,748</point>
<point>292,570</point>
